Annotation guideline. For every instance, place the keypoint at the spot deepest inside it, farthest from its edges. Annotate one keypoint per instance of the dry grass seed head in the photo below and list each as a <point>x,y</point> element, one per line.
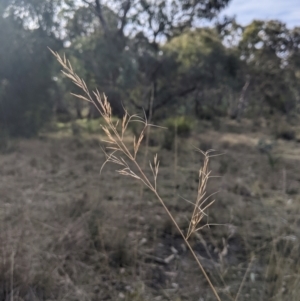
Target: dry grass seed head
<point>116,145</point>
<point>199,208</point>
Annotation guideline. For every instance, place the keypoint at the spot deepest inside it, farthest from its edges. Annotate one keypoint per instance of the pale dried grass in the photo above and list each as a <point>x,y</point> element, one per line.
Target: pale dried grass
<point>119,153</point>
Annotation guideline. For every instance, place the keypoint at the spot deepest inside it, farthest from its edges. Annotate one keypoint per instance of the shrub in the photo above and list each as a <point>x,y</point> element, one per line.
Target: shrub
<point>180,126</point>
<point>285,131</point>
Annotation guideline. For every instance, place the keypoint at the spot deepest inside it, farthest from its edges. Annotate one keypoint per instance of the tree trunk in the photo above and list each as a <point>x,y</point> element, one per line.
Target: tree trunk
<point>242,101</point>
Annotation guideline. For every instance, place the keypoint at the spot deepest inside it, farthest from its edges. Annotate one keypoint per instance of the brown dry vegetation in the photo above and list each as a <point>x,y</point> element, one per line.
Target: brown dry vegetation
<point>69,233</point>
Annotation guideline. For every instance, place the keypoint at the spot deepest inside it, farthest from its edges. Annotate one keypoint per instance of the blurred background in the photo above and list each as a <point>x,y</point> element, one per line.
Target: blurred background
<point>214,74</point>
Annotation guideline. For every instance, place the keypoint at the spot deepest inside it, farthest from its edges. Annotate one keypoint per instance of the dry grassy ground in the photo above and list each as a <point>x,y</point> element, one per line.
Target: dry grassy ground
<point>69,233</point>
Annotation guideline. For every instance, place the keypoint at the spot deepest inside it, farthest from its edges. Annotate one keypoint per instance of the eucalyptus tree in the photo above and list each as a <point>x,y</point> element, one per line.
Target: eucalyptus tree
<point>271,51</point>
<point>120,43</point>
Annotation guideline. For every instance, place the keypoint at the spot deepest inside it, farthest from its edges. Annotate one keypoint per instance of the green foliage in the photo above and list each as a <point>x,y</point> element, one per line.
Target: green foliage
<point>205,68</point>
<point>178,126</point>
<point>137,69</point>
<point>229,70</point>
<point>269,50</point>
<point>182,126</point>
<point>26,87</point>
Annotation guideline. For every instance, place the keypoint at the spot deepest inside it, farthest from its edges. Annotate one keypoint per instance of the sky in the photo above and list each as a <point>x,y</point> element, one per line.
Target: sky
<point>245,11</point>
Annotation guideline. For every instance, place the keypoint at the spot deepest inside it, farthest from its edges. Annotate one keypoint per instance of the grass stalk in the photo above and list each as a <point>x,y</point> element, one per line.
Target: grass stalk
<point>119,153</point>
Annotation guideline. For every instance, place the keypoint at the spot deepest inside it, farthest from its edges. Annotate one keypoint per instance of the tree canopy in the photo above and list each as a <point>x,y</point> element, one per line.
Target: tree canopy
<point>146,55</point>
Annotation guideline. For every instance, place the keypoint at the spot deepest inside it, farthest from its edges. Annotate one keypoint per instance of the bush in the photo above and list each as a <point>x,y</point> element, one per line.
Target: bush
<point>285,131</point>
<point>180,126</point>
